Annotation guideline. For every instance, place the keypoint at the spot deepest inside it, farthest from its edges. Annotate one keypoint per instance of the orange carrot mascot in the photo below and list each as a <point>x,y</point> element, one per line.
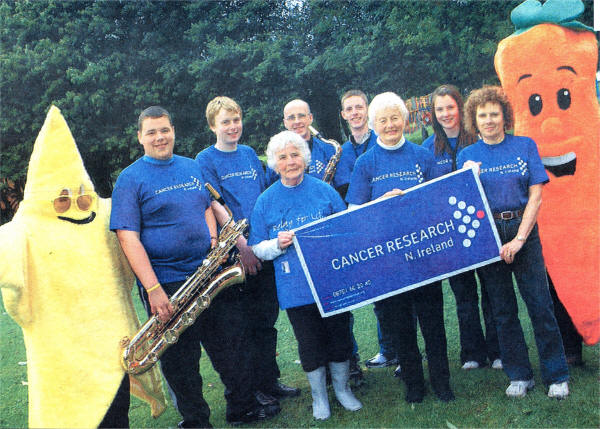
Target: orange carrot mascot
<point>547,69</point>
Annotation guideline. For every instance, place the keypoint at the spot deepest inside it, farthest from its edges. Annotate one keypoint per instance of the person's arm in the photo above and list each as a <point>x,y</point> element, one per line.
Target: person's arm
<point>249,260</point>
<point>510,249</point>
<point>211,221</point>
<point>140,264</point>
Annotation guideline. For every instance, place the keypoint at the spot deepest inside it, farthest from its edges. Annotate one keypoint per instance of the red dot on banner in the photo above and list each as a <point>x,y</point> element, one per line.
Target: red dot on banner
<point>480,214</point>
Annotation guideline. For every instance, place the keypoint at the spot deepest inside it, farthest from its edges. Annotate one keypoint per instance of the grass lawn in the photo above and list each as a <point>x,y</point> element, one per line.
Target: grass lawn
<point>480,402</point>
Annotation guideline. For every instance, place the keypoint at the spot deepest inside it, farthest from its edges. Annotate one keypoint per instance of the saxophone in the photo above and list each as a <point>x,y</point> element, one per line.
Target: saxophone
<point>193,297</point>
<point>333,161</point>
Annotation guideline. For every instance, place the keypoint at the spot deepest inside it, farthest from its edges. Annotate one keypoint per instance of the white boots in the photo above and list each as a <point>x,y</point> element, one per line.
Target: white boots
<point>340,373</point>
<point>318,386</point>
<point>318,389</point>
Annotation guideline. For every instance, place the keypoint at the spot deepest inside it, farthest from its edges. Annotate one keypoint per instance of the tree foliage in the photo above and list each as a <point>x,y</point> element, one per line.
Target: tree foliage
<point>102,62</point>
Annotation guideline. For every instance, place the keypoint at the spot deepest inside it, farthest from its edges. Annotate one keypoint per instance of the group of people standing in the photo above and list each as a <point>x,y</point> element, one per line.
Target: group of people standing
<point>166,225</point>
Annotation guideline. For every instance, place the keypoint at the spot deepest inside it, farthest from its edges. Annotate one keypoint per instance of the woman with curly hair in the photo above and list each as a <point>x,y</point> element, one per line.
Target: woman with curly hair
<point>512,175</point>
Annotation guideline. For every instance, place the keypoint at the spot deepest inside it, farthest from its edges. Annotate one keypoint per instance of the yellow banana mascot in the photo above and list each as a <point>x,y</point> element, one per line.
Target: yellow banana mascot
<point>65,281</point>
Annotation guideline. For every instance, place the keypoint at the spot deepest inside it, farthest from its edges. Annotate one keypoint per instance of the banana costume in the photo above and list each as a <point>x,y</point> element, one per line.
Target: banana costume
<point>65,281</point>
<point>548,70</point>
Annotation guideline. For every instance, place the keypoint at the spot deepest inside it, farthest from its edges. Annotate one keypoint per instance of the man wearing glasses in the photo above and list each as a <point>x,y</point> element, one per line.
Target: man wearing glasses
<point>297,118</point>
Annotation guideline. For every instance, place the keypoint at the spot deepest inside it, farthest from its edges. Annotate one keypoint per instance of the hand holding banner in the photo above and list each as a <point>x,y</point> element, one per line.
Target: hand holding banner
<point>436,230</point>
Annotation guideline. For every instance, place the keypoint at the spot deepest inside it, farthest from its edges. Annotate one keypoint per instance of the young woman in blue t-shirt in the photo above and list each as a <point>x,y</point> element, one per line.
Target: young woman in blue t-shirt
<point>448,139</point>
<point>512,175</point>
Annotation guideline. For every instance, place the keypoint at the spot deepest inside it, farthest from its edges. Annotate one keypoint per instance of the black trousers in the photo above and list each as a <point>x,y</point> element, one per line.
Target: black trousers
<point>320,339</point>
<point>262,309</point>
<point>474,345</point>
<point>571,338</point>
<point>221,330</point>
<point>397,318</point>
<point>117,415</point>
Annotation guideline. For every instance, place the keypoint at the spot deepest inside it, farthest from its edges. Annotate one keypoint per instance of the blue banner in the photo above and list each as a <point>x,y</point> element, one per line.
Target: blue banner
<point>436,230</point>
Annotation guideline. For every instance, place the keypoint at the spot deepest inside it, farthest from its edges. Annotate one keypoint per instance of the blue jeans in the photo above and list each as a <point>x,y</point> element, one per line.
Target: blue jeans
<point>530,274</point>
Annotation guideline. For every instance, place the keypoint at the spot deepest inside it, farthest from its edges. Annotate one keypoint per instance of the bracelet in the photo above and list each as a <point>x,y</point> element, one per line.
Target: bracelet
<point>156,286</point>
<point>213,238</point>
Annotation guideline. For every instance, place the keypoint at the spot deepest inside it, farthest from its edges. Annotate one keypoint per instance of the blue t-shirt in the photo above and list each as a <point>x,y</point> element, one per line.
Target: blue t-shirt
<point>507,170</point>
<point>380,170</point>
<point>443,161</point>
<point>320,155</point>
<point>238,176</point>
<point>165,202</point>
<point>280,208</point>
<point>350,154</point>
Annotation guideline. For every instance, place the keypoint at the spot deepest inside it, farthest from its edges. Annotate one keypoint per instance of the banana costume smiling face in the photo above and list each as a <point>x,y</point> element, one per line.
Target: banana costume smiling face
<point>67,284</point>
<point>547,69</point>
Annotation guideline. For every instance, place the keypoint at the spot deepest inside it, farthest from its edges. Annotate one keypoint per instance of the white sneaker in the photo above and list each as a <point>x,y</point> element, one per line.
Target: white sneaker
<point>380,361</point>
<point>497,364</point>
<point>519,388</point>
<point>558,390</point>
<point>470,364</point>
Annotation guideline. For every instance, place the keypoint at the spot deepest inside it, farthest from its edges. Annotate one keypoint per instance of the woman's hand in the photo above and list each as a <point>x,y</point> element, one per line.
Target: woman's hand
<point>472,164</point>
<point>285,239</point>
<point>510,249</point>
<point>393,193</point>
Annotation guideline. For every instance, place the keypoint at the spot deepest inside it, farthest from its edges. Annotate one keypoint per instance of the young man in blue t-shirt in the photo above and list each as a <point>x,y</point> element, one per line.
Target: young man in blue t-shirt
<point>237,174</point>
<point>163,218</point>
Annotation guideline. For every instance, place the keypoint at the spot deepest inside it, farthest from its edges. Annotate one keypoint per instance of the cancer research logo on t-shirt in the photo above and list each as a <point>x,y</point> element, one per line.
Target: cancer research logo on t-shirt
<point>318,166</point>
<point>469,218</point>
<point>519,167</point>
<point>246,174</point>
<point>190,185</point>
<point>416,174</point>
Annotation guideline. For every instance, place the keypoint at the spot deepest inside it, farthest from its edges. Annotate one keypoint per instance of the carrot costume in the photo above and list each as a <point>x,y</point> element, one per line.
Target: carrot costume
<point>547,69</point>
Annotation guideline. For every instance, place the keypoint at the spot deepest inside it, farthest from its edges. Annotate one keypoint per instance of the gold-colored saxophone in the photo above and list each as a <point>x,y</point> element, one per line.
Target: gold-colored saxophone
<point>333,161</point>
<point>191,299</point>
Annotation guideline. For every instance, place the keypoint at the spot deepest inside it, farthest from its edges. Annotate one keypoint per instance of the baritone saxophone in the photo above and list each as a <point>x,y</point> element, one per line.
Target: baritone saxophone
<point>193,297</point>
<point>333,161</point>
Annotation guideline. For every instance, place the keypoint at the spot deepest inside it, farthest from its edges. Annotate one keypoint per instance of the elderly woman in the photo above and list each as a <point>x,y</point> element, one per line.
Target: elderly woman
<point>448,140</point>
<point>289,203</point>
<point>512,176</point>
<point>391,166</point>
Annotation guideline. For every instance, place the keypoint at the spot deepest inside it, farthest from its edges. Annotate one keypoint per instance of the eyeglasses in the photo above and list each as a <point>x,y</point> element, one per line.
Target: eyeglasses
<point>293,117</point>
<point>62,203</point>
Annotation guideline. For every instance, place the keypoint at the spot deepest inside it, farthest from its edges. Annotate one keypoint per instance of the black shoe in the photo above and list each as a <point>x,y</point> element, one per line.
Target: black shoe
<point>356,375</point>
<point>255,414</point>
<point>270,403</point>
<point>280,390</point>
<point>184,424</point>
<point>445,395</point>
<point>414,395</point>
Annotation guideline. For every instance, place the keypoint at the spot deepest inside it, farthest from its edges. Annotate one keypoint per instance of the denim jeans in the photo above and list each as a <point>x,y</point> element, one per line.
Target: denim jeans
<point>530,274</point>
<point>474,345</point>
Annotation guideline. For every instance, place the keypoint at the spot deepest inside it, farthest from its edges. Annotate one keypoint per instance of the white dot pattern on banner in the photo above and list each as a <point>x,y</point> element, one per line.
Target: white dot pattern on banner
<point>466,219</point>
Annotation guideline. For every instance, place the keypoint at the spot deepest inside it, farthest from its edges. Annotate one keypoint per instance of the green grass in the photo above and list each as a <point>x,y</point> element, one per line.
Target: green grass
<point>480,393</point>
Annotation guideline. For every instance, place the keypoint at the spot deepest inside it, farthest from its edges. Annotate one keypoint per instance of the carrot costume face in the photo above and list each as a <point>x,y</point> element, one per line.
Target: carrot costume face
<point>548,73</point>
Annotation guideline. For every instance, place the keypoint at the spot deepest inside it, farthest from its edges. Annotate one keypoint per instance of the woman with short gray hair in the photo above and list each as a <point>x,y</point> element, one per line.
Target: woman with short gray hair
<point>294,200</point>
